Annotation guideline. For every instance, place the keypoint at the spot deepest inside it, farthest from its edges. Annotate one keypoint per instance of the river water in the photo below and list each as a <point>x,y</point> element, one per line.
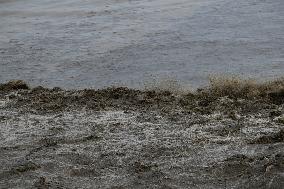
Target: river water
<point>95,43</point>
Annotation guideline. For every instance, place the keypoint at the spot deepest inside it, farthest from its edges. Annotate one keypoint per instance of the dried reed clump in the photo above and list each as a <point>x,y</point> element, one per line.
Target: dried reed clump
<point>235,87</point>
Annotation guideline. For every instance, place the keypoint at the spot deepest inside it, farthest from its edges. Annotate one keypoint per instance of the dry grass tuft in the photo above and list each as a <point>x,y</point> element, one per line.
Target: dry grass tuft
<point>235,87</point>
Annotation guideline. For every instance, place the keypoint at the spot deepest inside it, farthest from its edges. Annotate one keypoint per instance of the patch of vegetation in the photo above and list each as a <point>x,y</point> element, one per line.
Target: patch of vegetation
<point>235,87</point>
<point>14,85</point>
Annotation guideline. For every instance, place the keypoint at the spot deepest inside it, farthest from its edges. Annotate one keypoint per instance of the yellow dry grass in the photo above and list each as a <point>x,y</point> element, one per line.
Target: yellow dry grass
<point>236,87</point>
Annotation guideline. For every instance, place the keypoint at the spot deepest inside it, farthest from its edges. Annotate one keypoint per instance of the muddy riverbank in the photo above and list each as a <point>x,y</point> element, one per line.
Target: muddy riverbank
<point>217,137</point>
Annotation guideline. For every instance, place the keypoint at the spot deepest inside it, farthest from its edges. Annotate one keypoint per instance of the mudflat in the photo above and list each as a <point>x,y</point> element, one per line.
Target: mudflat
<point>126,138</point>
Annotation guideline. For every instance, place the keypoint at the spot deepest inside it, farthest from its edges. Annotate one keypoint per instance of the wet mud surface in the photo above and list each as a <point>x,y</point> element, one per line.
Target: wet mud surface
<point>125,138</point>
<point>95,43</point>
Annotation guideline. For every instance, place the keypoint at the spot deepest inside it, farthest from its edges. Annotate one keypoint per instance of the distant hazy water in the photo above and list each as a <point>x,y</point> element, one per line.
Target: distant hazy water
<point>77,44</point>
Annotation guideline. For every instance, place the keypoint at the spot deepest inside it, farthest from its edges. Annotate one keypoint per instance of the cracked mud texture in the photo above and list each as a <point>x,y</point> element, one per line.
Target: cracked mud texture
<point>97,43</point>
<point>125,138</point>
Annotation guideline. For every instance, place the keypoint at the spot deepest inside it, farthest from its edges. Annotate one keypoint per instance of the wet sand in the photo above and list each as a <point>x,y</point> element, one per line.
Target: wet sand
<point>79,44</point>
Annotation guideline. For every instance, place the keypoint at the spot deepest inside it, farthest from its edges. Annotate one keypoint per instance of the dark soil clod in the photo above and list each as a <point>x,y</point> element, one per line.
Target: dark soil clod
<point>274,138</point>
<point>277,96</point>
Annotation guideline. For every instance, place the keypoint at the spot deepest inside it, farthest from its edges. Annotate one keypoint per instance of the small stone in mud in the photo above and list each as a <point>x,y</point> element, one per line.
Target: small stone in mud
<point>281,120</point>
<point>273,138</point>
<point>29,166</point>
<point>275,113</point>
<point>233,115</point>
<point>140,167</point>
<point>41,183</point>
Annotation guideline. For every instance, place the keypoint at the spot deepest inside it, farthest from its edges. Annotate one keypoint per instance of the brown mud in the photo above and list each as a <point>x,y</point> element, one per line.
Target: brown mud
<point>222,136</point>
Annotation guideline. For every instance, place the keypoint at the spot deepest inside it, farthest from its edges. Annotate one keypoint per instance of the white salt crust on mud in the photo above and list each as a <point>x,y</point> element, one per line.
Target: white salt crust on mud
<point>114,148</point>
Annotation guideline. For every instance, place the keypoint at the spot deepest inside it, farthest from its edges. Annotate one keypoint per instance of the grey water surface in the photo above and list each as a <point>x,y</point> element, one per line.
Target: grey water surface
<point>95,43</point>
